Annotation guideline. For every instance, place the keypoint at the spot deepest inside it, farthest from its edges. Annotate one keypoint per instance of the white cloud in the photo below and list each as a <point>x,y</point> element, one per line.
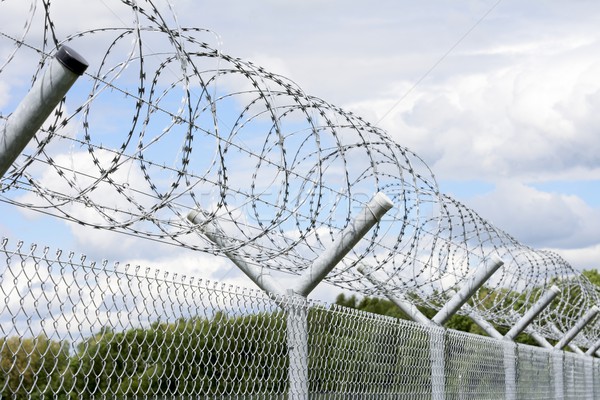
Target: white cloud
<point>529,121</point>
<point>540,219</point>
<point>582,258</point>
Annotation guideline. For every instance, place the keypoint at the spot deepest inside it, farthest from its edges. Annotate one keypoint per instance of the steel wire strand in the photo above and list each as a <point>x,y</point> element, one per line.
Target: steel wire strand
<point>279,171</point>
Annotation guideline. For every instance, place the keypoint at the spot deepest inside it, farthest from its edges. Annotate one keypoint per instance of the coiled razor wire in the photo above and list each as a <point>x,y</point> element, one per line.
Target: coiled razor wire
<point>164,123</point>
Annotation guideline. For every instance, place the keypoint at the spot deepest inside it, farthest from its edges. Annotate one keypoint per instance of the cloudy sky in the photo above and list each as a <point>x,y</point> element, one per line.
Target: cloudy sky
<point>500,98</point>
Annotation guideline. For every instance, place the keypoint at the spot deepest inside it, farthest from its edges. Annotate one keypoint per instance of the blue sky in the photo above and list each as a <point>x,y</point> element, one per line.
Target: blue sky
<point>499,98</point>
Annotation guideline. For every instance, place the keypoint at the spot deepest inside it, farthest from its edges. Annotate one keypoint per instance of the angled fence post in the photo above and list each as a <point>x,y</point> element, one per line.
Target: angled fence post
<point>486,326</point>
<point>539,339</point>
<point>467,290</point>
<point>36,106</point>
<point>346,240</point>
<point>571,346</point>
<point>260,276</point>
<point>293,300</point>
<point>592,350</point>
<point>533,312</point>
<point>400,301</point>
<point>579,325</point>
<point>437,333</point>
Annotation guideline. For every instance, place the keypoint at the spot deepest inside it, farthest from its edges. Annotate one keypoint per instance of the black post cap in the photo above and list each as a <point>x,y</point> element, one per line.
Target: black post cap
<point>71,60</point>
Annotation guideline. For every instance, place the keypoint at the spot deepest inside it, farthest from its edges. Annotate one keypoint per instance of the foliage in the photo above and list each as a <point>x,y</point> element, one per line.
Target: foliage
<point>222,355</point>
<point>34,368</point>
<point>200,356</point>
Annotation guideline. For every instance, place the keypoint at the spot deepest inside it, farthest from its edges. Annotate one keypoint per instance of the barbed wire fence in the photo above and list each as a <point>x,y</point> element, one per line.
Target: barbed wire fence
<point>215,154</point>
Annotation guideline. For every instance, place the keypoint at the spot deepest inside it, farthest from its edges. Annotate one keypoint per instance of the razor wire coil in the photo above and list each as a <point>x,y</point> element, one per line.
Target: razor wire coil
<point>164,123</point>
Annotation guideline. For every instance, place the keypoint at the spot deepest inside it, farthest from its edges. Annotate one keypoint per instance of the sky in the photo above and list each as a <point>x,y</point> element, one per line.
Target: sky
<point>499,98</point>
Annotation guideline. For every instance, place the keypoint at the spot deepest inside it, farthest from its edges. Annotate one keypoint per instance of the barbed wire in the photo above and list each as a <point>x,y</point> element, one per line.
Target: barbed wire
<point>164,123</point>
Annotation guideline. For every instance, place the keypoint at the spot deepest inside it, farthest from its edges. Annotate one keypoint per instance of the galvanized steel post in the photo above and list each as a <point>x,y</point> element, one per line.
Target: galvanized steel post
<point>579,325</point>
<point>571,346</point>
<point>401,302</point>
<point>297,341</point>
<point>22,125</point>
<point>510,370</point>
<point>557,366</point>
<point>467,290</point>
<point>437,351</point>
<point>293,300</point>
<point>345,241</point>
<point>532,313</point>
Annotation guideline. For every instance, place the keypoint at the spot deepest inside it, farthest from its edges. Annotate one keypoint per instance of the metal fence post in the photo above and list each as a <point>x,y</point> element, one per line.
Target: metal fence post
<point>557,366</point>
<point>344,242</point>
<point>293,300</point>
<point>297,340</point>
<point>589,378</point>
<point>261,277</point>
<point>579,325</point>
<point>467,290</point>
<point>532,313</point>
<point>539,339</point>
<point>36,106</point>
<point>571,346</point>
<point>437,351</point>
<point>510,370</point>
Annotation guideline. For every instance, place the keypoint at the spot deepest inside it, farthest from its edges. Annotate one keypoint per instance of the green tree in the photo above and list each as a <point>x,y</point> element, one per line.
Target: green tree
<point>197,356</point>
<point>593,276</point>
<point>34,368</point>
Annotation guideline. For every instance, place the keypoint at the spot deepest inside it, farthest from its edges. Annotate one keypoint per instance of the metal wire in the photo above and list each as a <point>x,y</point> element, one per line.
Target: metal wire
<point>73,327</point>
<point>281,172</point>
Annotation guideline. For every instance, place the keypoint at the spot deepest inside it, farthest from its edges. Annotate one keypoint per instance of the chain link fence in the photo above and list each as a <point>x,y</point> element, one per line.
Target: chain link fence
<point>74,328</point>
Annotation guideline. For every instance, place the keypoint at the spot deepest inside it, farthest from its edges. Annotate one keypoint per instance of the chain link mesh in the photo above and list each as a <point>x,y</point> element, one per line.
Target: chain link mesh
<point>535,373</point>
<point>281,174</point>
<point>74,328</point>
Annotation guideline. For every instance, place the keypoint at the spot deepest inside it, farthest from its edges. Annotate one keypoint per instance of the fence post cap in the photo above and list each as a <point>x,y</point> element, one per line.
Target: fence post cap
<point>71,60</point>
